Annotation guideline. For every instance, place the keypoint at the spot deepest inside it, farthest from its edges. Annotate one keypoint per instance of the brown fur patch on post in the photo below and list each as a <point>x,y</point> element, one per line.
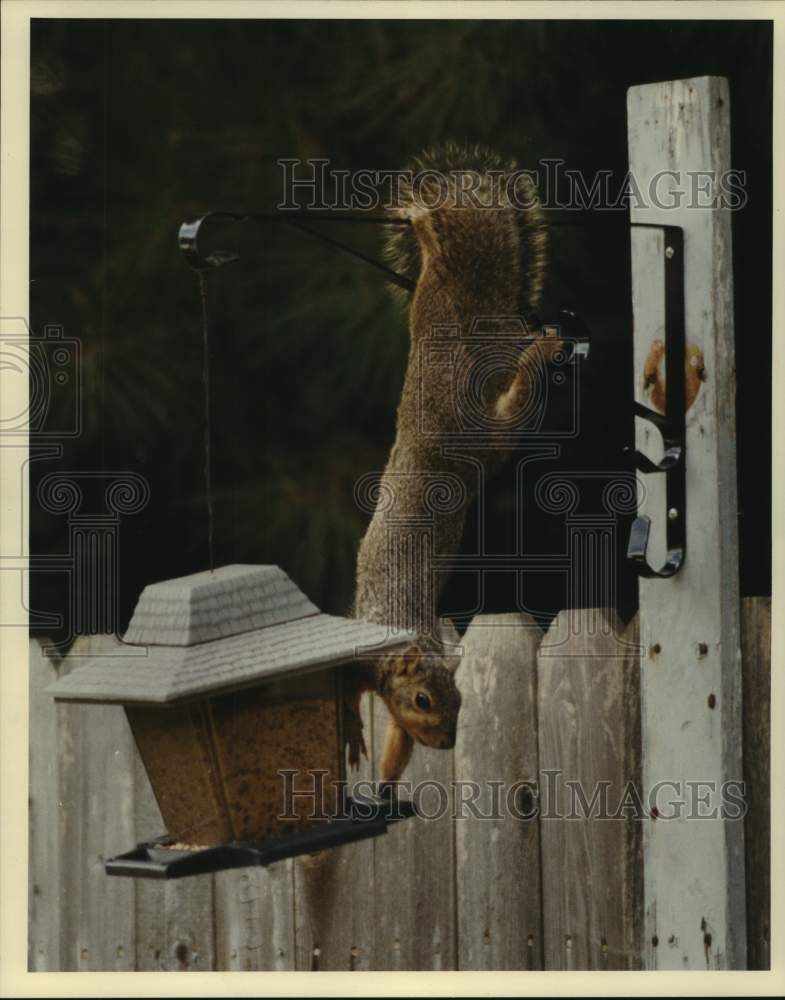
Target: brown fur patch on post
<point>654,375</point>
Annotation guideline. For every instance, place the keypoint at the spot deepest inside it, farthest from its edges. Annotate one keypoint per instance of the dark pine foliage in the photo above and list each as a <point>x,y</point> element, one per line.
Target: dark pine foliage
<point>139,125</point>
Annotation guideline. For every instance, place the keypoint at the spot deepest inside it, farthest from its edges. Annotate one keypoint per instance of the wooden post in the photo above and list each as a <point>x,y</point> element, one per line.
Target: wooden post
<point>691,677</point>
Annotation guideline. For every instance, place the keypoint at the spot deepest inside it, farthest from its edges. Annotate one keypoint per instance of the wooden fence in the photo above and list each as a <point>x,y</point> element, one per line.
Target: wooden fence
<point>450,893</point>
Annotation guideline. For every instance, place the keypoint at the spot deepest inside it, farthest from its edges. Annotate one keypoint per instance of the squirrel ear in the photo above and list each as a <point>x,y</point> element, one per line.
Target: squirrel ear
<point>406,662</point>
<point>451,642</point>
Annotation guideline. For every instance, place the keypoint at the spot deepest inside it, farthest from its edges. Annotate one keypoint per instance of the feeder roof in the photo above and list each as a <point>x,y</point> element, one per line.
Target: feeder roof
<point>216,631</point>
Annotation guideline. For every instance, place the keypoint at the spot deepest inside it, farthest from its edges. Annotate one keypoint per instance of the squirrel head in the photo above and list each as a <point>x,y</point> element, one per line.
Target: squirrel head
<point>468,187</point>
<point>421,695</point>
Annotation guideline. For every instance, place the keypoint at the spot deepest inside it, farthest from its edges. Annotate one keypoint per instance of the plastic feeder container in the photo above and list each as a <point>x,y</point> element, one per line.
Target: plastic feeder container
<point>230,680</point>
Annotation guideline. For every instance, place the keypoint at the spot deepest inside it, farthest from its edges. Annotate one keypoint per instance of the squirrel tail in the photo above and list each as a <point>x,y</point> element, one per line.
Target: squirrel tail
<point>452,175</point>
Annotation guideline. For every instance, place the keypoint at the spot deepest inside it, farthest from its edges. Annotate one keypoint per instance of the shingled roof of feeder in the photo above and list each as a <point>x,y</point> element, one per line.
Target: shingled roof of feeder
<point>219,630</point>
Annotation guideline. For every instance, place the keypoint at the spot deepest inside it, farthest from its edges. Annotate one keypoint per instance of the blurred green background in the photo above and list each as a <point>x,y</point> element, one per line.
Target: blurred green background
<point>137,126</point>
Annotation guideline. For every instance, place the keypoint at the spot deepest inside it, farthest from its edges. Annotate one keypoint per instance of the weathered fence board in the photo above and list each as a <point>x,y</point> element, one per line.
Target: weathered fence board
<point>43,940</point>
<point>334,894</point>
<point>588,688</point>
<point>174,919</point>
<point>96,757</point>
<point>756,666</point>
<point>188,943</point>
<point>691,684</point>
<point>498,859</point>
<point>150,915</point>
<point>254,918</point>
<point>414,868</point>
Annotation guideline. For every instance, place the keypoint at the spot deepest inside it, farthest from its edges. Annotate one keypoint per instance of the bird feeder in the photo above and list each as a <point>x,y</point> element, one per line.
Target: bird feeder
<point>234,701</point>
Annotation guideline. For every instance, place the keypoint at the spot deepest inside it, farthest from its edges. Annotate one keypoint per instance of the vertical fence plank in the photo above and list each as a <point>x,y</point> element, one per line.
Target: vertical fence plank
<point>189,931</point>
<point>334,894</point>
<point>691,694</point>
<point>498,859</point>
<point>96,792</point>
<point>43,930</point>
<point>254,913</point>
<point>414,868</point>
<point>174,919</point>
<point>589,741</point>
<point>150,916</point>
<point>756,667</point>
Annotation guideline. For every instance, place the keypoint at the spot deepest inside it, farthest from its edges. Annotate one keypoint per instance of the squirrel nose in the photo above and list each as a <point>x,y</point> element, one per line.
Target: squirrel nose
<point>449,741</point>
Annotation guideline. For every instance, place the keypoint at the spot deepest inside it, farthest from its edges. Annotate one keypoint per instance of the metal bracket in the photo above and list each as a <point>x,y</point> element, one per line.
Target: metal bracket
<point>672,426</point>
<point>190,231</point>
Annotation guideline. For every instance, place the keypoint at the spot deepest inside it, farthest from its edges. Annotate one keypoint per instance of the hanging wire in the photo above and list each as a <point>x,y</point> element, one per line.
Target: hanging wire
<point>208,479</point>
<point>204,266</point>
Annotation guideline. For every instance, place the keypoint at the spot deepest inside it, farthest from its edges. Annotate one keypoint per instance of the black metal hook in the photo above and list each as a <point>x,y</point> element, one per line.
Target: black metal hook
<point>672,425</point>
<point>188,241</point>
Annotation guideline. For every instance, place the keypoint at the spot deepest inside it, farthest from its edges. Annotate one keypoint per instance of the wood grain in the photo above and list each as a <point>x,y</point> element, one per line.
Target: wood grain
<point>96,753</point>
<point>499,902</point>
<point>588,707</point>
<point>691,693</point>
<point>414,925</point>
<point>43,935</point>
<point>334,894</point>
<point>175,928</point>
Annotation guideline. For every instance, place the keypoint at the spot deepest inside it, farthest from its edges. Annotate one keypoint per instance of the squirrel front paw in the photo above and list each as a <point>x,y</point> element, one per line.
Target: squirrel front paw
<point>398,746</point>
<point>515,399</point>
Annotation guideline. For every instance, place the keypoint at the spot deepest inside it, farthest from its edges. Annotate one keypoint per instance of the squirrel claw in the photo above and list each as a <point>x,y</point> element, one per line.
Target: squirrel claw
<point>354,739</point>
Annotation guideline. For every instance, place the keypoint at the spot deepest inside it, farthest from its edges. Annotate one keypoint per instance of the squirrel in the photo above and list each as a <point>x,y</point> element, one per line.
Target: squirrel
<point>468,262</point>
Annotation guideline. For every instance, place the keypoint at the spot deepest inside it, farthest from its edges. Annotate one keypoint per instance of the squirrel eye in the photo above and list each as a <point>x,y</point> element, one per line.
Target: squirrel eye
<point>422,701</point>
